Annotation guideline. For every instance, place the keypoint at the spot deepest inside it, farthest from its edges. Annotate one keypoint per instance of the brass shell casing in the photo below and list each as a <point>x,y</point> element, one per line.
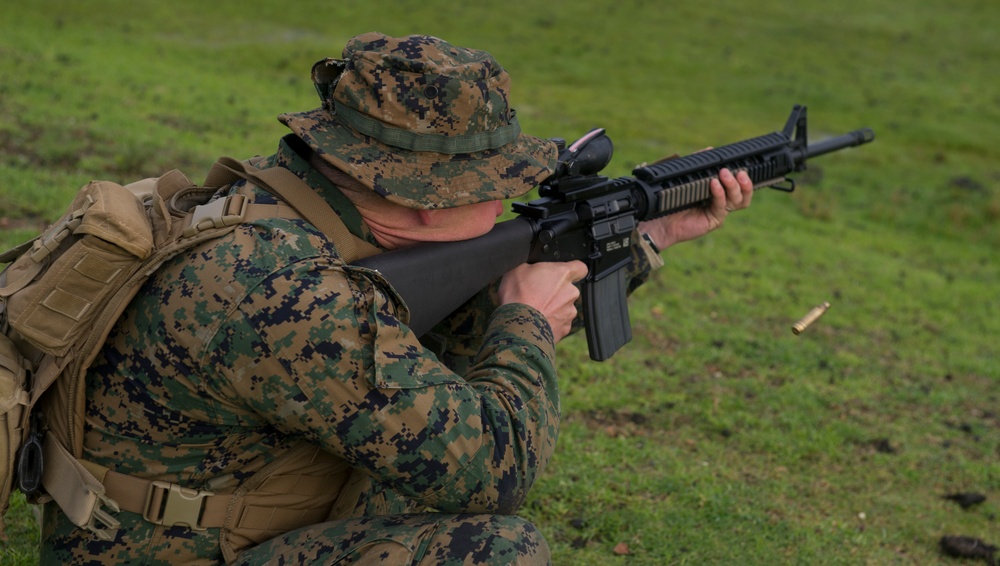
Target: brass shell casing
<point>810,318</point>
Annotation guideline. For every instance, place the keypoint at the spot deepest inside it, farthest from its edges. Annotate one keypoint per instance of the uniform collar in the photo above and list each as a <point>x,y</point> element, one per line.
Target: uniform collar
<point>291,155</point>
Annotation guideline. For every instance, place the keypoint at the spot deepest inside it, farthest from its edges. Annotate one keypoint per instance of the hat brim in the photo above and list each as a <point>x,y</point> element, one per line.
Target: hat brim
<point>421,179</point>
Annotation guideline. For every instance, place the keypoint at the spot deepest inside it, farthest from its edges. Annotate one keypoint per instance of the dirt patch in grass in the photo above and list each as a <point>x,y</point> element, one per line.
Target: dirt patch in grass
<point>79,148</point>
<point>621,423</point>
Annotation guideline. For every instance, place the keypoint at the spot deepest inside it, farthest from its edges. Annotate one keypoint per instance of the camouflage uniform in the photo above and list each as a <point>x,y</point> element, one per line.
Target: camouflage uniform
<point>263,342</point>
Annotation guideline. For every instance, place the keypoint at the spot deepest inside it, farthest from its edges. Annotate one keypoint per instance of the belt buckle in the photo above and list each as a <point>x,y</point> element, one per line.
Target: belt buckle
<point>169,504</point>
<point>102,524</point>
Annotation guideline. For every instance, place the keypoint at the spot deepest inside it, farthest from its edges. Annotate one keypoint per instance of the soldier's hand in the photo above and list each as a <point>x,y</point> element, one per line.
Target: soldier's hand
<point>730,191</point>
<point>548,287</point>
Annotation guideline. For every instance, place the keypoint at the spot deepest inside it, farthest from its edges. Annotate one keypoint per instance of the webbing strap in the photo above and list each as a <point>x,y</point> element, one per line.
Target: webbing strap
<point>300,196</point>
<point>87,492</point>
<point>256,211</point>
<point>167,504</point>
<point>78,493</point>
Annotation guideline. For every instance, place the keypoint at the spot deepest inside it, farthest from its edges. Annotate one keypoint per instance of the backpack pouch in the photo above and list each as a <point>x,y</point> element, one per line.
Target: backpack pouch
<point>97,245</point>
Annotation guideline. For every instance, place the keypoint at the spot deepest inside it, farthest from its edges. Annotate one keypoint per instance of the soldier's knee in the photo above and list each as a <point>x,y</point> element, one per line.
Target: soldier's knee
<point>487,539</point>
<point>424,539</point>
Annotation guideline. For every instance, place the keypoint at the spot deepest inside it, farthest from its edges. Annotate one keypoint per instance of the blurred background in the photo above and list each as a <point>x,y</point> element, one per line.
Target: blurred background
<point>717,436</point>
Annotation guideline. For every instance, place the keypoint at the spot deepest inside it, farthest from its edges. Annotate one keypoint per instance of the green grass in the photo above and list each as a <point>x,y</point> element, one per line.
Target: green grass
<point>717,436</point>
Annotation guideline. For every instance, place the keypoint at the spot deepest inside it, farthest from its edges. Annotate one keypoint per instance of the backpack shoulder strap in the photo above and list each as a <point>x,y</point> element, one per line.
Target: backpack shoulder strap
<point>300,196</point>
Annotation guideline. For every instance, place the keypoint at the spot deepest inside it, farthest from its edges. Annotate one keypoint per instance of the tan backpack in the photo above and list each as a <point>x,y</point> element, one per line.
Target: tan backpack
<point>62,293</point>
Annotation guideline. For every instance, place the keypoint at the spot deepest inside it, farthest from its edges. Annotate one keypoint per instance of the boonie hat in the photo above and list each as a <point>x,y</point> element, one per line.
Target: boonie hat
<point>423,123</point>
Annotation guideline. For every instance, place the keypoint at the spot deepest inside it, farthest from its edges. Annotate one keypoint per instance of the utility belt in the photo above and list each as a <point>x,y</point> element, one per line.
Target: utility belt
<point>305,486</point>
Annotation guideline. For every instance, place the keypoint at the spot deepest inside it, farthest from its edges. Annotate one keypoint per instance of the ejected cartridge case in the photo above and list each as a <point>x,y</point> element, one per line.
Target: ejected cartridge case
<point>810,318</point>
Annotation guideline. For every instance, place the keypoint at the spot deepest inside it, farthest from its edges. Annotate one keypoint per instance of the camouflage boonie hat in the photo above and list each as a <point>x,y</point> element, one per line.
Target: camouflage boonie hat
<point>421,122</point>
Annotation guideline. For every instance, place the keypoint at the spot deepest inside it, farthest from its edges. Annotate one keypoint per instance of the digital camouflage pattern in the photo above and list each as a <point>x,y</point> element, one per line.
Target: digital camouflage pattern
<point>261,341</point>
<point>430,539</point>
<point>422,122</point>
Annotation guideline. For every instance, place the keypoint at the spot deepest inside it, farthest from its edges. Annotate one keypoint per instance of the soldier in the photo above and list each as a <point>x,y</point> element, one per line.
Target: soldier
<point>267,400</point>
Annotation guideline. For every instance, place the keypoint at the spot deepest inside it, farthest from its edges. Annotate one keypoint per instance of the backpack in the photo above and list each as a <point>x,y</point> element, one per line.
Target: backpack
<point>63,291</point>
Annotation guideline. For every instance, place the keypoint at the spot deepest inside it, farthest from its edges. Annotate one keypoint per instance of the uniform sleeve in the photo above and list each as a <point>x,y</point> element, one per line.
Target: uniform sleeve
<point>320,352</point>
<point>456,339</point>
<point>645,260</point>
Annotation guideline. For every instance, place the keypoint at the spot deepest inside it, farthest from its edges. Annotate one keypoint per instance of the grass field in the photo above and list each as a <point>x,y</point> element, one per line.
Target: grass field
<point>717,436</point>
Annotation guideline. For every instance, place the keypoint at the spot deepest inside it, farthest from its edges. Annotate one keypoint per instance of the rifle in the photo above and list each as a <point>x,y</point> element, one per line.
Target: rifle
<point>583,215</point>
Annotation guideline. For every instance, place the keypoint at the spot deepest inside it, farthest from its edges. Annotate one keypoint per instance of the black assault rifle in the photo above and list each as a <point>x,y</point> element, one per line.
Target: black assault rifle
<point>582,215</point>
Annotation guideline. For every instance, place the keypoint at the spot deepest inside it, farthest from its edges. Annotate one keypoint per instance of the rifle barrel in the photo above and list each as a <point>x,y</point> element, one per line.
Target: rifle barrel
<point>850,139</point>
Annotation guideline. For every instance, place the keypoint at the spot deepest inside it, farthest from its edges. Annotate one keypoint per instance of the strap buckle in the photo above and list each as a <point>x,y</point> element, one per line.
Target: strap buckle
<point>219,213</point>
<point>101,523</point>
<point>169,504</point>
